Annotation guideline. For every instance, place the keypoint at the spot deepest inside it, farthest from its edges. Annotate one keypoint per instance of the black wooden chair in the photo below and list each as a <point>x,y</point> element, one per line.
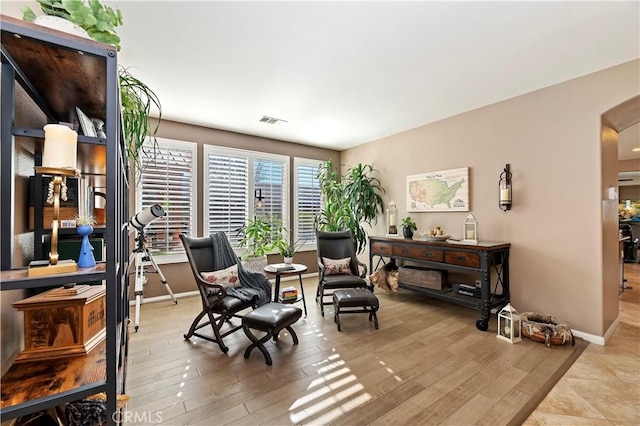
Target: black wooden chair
<point>337,245</point>
<point>217,305</point>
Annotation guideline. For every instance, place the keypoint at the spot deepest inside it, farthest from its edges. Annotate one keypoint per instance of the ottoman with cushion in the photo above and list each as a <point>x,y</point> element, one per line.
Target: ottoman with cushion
<point>270,318</point>
<point>344,302</point>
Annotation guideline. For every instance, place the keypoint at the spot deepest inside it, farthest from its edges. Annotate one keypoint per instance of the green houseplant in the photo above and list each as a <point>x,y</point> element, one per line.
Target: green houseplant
<point>137,101</point>
<point>288,249</point>
<point>98,20</point>
<point>349,202</point>
<point>408,227</point>
<point>259,236</point>
<point>137,98</point>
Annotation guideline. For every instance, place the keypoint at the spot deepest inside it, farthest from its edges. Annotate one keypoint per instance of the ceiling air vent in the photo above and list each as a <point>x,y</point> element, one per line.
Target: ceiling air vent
<point>272,120</point>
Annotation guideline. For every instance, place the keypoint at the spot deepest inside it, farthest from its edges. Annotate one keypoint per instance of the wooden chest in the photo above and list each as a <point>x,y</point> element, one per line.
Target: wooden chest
<point>57,326</point>
<point>422,277</point>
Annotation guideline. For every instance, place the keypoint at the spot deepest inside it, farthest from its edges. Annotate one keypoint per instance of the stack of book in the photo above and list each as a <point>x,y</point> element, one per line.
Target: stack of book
<point>288,295</point>
<point>281,267</point>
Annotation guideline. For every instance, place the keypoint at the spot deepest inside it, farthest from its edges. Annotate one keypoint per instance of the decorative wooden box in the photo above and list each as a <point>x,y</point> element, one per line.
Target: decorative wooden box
<point>422,277</point>
<point>59,324</point>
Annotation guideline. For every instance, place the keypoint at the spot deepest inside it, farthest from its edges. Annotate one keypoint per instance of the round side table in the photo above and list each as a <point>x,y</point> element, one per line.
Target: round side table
<point>297,269</point>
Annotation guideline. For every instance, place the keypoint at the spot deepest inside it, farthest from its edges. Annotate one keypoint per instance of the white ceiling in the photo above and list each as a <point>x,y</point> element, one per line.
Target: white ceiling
<point>346,73</point>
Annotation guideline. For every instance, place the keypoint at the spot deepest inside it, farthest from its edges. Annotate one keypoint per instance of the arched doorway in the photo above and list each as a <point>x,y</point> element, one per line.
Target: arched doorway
<point>613,122</point>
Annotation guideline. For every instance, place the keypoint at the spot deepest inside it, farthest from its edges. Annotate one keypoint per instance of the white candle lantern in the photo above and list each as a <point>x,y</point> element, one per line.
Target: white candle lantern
<point>392,219</point>
<point>470,230</point>
<point>59,156</point>
<point>509,326</point>
<point>60,147</point>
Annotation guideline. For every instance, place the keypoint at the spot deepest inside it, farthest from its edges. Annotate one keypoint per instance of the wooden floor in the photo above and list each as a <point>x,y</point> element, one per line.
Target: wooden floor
<point>427,364</point>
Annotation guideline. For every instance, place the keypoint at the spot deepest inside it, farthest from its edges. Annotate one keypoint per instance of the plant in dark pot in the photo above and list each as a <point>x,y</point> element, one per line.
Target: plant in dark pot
<point>408,227</point>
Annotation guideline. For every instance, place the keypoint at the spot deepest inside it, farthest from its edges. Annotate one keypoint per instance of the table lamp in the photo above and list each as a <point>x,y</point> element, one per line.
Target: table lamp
<point>59,161</point>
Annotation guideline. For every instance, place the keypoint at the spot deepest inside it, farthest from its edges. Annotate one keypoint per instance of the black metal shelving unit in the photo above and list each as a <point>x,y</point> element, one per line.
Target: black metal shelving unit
<point>58,72</point>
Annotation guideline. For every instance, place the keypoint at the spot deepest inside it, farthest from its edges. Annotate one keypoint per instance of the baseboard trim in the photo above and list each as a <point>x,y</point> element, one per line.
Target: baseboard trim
<point>592,338</point>
<point>132,302</point>
<point>197,293</point>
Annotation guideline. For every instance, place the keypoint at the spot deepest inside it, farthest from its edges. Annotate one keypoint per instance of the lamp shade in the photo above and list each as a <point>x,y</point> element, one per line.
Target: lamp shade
<point>60,147</point>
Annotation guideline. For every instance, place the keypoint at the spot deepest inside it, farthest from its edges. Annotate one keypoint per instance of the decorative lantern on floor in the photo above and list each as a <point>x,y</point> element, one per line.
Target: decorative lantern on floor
<point>392,219</point>
<point>470,230</point>
<point>509,325</point>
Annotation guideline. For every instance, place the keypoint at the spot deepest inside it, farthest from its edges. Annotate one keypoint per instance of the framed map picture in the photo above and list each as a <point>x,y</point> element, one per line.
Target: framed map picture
<point>443,191</point>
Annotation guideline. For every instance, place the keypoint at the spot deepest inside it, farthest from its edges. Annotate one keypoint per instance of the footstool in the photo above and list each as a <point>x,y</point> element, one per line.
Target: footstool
<point>355,298</point>
<point>270,318</point>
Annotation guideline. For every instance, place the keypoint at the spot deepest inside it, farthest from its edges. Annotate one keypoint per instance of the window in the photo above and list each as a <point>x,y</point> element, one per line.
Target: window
<point>168,179</point>
<point>233,180</point>
<point>307,200</point>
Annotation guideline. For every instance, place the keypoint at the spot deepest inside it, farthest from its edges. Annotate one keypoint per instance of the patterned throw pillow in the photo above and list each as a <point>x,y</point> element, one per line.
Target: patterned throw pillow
<point>224,277</point>
<point>336,266</point>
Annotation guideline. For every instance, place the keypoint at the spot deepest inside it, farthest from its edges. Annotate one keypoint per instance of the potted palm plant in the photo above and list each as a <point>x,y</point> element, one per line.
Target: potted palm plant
<point>350,202</point>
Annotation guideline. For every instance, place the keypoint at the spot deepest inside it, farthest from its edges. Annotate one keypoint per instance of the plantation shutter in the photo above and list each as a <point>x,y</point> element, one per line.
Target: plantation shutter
<point>307,199</point>
<point>167,179</point>
<point>268,177</point>
<point>227,192</point>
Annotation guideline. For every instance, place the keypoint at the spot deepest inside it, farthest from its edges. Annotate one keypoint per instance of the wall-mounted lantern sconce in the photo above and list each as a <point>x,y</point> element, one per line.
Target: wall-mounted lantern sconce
<point>258,195</point>
<point>505,188</point>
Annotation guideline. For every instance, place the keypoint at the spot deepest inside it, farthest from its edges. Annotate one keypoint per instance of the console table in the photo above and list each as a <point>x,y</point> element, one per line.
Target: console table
<point>487,261</point>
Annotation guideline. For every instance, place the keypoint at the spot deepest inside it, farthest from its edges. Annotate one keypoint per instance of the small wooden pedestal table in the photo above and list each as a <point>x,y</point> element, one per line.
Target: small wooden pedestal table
<point>297,269</point>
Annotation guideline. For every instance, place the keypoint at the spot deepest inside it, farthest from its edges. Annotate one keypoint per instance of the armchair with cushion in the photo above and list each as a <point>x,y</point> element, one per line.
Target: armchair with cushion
<point>225,287</point>
<point>338,266</point>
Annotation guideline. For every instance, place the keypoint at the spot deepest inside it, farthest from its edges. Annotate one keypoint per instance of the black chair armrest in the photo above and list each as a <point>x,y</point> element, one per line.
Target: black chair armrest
<point>320,270</point>
<point>364,268</point>
<point>217,290</point>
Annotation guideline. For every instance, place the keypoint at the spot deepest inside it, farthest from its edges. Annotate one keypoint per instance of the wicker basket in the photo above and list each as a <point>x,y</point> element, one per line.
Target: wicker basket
<point>545,329</point>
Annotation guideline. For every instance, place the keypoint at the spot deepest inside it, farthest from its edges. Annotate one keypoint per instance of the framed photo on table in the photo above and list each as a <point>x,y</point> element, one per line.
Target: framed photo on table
<point>86,124</point>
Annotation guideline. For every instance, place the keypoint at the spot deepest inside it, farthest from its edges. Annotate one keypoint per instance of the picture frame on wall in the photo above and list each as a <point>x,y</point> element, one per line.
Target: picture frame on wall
<point>439,191</point>
<point>86,125</point>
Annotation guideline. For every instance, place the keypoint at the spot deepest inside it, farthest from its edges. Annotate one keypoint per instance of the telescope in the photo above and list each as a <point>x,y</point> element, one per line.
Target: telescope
<point>145,217</point>
<point>141,257</point>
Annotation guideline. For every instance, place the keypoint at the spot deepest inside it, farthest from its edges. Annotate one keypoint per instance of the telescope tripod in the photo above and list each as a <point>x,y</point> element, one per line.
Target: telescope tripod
<point>139,256</point>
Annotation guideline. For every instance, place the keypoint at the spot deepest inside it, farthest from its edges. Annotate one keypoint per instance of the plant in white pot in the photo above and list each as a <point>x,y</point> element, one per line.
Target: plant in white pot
<point>288,249</point>
<point>259,237</point>
<point>99,21</point>
<point>138,100</point>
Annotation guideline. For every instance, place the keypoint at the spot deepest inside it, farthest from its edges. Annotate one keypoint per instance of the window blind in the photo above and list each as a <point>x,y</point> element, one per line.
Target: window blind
<point>168,179</point>
<point>308,200</point>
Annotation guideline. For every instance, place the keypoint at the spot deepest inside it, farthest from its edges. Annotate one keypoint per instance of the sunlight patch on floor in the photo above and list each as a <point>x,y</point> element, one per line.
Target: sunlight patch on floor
<point>330,396</point>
